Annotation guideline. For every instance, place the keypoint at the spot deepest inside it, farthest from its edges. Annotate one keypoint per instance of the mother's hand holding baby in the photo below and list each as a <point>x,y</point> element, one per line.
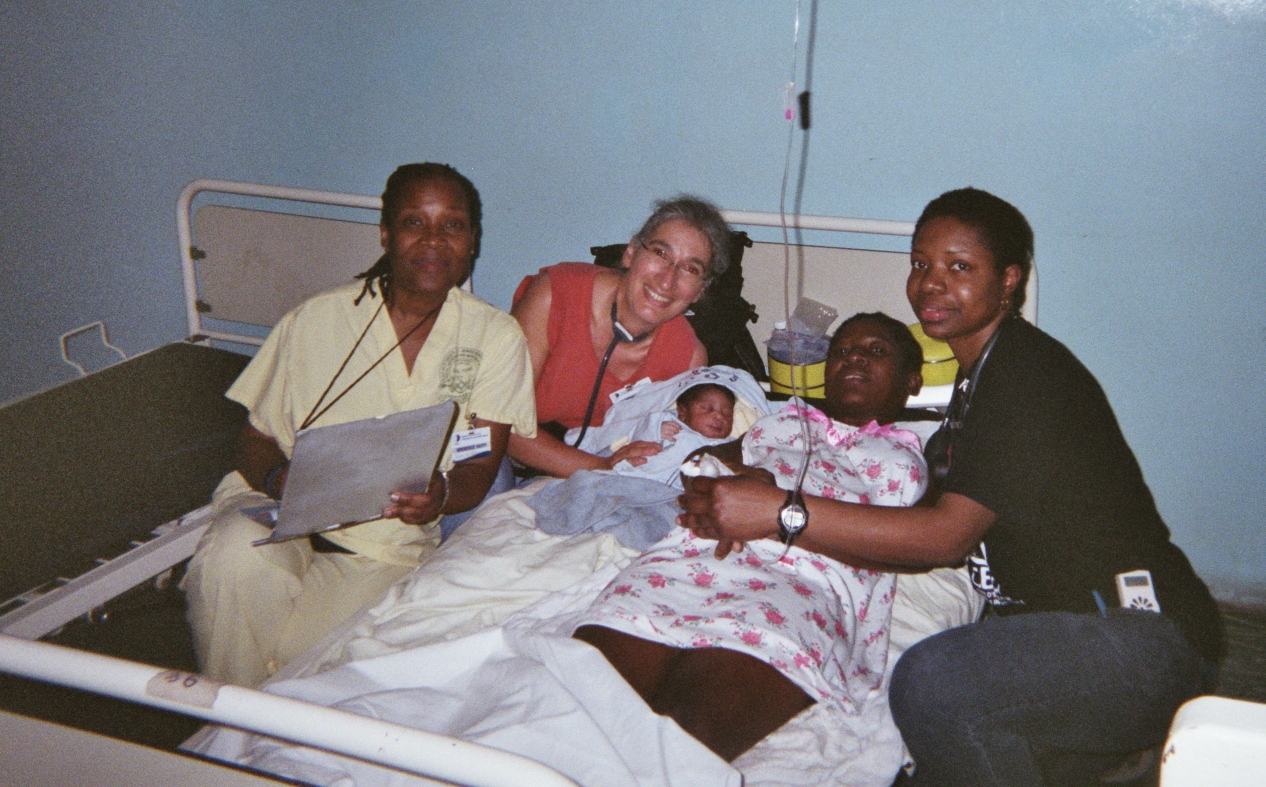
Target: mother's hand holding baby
<point>872,368</point>
<point>747,504</point>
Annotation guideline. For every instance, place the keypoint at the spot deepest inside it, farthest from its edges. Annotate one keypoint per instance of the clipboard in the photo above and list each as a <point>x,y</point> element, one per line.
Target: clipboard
<point>344,474</point>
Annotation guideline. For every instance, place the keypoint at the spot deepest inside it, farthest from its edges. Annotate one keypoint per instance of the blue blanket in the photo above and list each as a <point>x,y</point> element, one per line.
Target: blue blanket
<point>637,511</point>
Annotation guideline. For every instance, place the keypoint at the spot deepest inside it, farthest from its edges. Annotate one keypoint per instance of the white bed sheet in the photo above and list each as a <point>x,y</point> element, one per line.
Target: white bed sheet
<point>442,627</point>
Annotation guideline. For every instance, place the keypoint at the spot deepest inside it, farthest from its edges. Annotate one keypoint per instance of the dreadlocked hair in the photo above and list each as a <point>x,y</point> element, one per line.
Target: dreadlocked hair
<point>397,188</point>
<point>379,273</point>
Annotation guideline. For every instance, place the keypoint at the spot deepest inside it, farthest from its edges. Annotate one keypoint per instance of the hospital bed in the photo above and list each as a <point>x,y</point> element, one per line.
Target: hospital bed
<point>245,263</point>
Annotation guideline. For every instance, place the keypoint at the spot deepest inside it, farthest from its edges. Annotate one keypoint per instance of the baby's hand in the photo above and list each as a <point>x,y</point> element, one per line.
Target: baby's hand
<point>669,430</point>
<point>635,453</point>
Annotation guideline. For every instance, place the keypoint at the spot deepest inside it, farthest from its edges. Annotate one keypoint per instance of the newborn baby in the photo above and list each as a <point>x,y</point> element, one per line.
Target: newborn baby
<point>703,415</point>
<point>638,504</point>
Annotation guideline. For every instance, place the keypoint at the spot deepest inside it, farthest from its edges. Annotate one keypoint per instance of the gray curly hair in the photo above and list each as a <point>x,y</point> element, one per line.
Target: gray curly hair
<point>700,214</point>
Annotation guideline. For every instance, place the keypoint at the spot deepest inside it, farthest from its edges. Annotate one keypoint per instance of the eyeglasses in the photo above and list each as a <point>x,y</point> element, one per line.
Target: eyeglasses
<point>661,259</point>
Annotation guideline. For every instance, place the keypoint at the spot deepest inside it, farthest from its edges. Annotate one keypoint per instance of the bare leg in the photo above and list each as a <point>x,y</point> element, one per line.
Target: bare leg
<point>643,664</point>
<point>727,700</point>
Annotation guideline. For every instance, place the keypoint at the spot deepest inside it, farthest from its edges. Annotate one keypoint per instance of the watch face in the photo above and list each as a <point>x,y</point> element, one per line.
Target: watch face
<point>793,517</point>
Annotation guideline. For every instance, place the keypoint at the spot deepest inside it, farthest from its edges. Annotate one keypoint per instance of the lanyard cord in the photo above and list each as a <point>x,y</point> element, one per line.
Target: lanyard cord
<point>940,446</point>
<point>313,417</point>
<point>968,386</point>
<point>619,334</point>
<point>597,385</point>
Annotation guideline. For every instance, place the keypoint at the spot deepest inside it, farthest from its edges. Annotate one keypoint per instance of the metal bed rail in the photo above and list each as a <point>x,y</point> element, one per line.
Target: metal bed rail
<point>395,746</point>
<point>39,612</point>
<point>829,223</point>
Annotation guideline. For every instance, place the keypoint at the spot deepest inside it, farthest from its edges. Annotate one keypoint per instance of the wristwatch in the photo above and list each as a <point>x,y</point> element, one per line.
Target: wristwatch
<point>793,517</point>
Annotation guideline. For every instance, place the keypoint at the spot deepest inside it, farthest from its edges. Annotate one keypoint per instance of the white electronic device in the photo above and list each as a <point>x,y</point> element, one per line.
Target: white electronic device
<point>1136,591</point>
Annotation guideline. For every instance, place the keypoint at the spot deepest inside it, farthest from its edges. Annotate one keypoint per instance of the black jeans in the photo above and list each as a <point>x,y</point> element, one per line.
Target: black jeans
<point>1041,698</point>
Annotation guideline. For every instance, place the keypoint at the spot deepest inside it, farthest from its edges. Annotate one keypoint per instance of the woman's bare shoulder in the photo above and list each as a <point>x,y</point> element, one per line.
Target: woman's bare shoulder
<point>605,282</point>
<point>535,290</point>
<point>606,277</point>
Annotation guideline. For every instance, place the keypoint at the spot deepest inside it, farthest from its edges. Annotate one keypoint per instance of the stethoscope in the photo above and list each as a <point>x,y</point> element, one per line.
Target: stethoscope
<point>620,335</point>
<point>940,445</point>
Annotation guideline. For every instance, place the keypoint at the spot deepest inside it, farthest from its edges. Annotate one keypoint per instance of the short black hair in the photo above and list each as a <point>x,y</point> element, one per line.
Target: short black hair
<point>691,394</point>
<point>1001,226</point>
<point>909,348</point>
<point>397,187</point>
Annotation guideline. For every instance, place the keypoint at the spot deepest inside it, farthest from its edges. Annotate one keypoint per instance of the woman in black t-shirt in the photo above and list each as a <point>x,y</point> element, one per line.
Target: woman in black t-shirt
<point>1042,496</point>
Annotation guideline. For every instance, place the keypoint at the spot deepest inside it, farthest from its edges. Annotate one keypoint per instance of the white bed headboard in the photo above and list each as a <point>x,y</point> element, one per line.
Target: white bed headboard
<point>821,273</point>
<point>255,266</point>
<point>231,242</point>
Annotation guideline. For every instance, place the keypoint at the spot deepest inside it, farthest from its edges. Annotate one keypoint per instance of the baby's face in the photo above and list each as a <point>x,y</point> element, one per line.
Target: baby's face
<point>711,415</point>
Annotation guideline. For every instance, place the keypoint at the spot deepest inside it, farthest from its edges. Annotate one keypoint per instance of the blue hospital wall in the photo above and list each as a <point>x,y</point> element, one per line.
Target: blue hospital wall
<point>1129,131</point>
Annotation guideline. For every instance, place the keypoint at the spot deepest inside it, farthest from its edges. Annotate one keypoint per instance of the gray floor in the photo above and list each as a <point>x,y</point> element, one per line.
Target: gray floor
<point>1244,671</point>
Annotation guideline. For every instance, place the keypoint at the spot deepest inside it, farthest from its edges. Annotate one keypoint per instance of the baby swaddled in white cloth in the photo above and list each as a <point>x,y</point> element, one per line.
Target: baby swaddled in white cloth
<point>703,415</point>
<point>638,503</point>
<point>703,406</point>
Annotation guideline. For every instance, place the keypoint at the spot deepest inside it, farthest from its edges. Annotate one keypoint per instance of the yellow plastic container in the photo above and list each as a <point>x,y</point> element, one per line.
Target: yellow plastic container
<point>939,365</point>
<point>809,379</point>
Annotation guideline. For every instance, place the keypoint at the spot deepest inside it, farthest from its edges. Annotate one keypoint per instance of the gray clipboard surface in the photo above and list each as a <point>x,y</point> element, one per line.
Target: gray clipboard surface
<point>344,474</point>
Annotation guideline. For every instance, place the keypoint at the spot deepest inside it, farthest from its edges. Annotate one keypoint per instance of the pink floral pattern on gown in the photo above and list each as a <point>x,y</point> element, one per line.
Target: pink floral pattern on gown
<point>820,622</point>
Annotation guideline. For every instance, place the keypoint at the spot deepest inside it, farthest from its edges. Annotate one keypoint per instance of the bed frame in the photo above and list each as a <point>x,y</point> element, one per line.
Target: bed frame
<point>243,268</point>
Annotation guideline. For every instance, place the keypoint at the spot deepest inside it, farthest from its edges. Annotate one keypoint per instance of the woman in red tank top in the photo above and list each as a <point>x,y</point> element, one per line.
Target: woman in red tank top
<point>568,313</point>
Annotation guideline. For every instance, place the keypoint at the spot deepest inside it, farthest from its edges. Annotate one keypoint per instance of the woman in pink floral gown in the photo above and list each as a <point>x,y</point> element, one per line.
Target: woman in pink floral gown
<point>732,644</point>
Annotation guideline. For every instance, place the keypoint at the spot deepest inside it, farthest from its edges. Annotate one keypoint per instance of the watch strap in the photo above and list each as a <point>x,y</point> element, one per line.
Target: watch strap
<point>794,498</point>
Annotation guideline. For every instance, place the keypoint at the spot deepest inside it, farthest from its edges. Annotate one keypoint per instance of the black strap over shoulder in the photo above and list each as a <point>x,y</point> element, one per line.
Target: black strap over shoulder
<point>939,451</point>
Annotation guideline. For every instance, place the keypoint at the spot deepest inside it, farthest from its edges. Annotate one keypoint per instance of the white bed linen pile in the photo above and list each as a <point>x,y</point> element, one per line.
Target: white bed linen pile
<point>434,654</point>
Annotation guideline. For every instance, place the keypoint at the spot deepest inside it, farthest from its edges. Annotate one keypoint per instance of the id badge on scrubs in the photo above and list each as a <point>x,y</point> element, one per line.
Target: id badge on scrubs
<point>471,444</point>
<point>629,390</point>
